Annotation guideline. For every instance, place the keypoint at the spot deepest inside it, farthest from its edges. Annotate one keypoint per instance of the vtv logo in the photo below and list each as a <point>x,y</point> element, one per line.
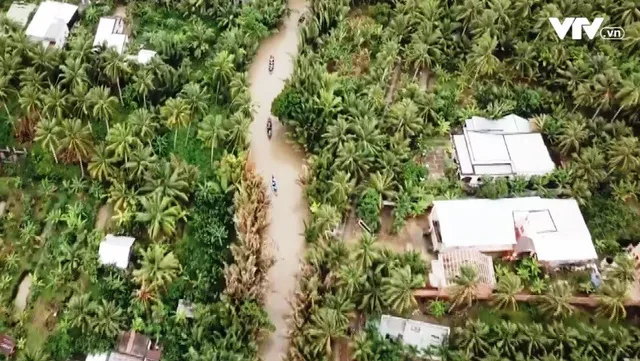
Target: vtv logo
<point>576,25</point>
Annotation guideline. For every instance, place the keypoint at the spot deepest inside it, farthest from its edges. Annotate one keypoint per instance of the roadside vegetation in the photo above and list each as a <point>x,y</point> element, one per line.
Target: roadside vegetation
<point>160,147</point>
<point>378,85</point>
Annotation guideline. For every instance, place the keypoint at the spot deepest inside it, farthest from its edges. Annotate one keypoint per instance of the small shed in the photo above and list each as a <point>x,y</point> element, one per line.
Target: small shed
<point>7,345</point>
<point>19,12</point>
<point>111,34</point>
<point>143,57</point>
<point>115,250</point>
<point>418,334</point>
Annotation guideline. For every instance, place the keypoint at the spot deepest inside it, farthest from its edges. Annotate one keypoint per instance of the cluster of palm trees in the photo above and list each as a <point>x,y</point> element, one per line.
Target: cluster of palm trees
<point>340,284</point>
<point>508,340</point>
<point>556,299</point>
<point>360,103</point>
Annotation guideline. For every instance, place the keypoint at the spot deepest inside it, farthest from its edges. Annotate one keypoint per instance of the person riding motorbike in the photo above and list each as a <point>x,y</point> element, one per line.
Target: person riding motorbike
<point>269,128</point>
<point>274,186</point>
<point>271,63</point>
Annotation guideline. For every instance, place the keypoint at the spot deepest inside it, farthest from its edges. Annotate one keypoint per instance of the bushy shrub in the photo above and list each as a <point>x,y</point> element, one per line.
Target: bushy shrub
<point>368,209</point>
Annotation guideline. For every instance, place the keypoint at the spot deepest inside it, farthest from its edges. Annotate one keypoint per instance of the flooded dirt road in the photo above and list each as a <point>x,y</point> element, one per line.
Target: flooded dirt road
<point>284,161</point>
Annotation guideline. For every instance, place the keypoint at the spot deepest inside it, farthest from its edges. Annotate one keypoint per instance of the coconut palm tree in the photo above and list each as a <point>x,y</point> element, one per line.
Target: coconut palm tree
<point>55,101</point>
<point>363,347</point>
<point>74,73</point>
<point>76,141</point>
<point>589,166</point>
<point>342,187</point>
<point>397,289</point>
<point>325,327</point>
<point>623,269</point>
<point>465,288</point>
<point>168,180</point>
<point>102,103</point>
<point>79,310</point>
<point>556,302</point>
<point>236,127</point>
<point>508,286</point>
<point>482,61</point>
<point>612,295</point>
<point>108,320</point>
<point>472,338</point>
<point>197,98</point>
<point>572,135</point>
<point>624,154</point>
<point>122,141</point>
<point>115,67</point>
<point>143,123</point>
<point>101,166</point>
<point>159,214</point>
<point>141,162</point>
<point>158,268</point>
<point>366,252</point>
<point>629,94</point>
<point>5,92</point>
<point>350,278</point>
<point>211,132</point>
<point>223,69</point>
<point>176,115</point>
<point>48,133</point>
<point>143,83</point>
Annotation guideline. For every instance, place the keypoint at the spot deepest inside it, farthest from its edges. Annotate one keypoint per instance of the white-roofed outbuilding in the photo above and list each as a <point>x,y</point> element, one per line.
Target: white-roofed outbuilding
<point>115,250</point>
<point>419,334</point>
<point>111,34</point>
<point>505,147</point>
<point>19,12</point>
<point>51,23</point>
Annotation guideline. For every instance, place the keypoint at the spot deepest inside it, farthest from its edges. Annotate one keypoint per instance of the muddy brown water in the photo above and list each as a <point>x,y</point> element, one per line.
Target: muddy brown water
<point>280,158</point>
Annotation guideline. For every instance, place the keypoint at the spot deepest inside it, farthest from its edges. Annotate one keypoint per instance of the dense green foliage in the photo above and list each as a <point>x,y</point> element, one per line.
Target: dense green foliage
<point>163,144</point>
<point>378,85</point>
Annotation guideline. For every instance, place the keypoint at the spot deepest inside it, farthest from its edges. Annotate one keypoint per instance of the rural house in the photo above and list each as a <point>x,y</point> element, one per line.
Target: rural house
<point>552,230</point>
<point>132,346</point>
<point>52,22</point>
<point>506,147</point>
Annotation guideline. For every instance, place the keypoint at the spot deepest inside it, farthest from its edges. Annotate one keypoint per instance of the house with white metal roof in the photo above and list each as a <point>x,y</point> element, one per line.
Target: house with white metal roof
<point>115,250</point>
<point>110,34</point>
<point>506,147</point>
<point>51,23</point>
<point>419,334</point>
<point>552,230</point>
<point>19,12</point>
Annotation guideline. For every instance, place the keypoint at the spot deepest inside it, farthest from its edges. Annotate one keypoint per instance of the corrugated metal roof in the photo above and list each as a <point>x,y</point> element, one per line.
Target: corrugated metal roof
<point>47,13</point>
<point>503,147</point>
<point>115,250</point>
<point>419,334</point>
<point>20,12</point>
<point>110,33</point>
<point>555,226</point>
